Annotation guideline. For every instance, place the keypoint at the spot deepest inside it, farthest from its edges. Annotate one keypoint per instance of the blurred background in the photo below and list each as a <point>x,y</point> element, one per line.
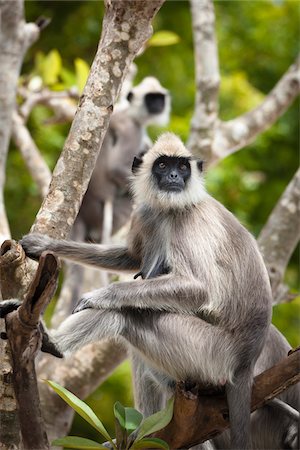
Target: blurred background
<point>258,40</point>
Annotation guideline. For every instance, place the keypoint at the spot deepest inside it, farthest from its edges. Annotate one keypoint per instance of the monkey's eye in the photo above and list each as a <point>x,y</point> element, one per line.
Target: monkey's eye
<point>183,167</point>
<point>162,165</point>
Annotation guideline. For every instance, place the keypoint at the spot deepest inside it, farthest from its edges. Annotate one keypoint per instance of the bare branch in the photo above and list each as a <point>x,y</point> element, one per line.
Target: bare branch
<point>61,102</point>
<point>200,416</point>
<point>22,327</point>
<point>15,38</point>
<point>281,234</point>
<point>241,131</point>
<point>38,169</point>
<point>207,78</point>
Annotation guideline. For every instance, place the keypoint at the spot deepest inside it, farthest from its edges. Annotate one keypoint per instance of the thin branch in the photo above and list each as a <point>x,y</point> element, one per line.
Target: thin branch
<point>207,78</point>
<point>38,169</point>
<point>200,416</point>
<point>281,234</point>
<point>61,102</point>
<point>235,134</point>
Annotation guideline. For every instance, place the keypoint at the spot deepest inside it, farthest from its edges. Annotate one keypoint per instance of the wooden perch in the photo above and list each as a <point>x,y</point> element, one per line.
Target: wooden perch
<point>200,415</point>
<point>22,328</point>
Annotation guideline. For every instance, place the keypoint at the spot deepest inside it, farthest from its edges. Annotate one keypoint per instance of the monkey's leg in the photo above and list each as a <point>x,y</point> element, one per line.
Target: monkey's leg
<point>88,326</point>
<point>148,394</point>
<point>107,222</point>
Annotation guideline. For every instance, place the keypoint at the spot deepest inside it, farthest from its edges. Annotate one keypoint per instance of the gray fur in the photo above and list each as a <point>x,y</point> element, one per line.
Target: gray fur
<point>206,319</point>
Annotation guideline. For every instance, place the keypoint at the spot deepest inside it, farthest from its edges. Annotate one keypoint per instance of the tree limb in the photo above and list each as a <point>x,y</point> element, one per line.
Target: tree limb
<point>281,234</point>
<point>199,416</point>
<point>116,50</point>
<point>235,134</point>
<point>22,327</point>
<point>207,79</point>
<point>38,169</point>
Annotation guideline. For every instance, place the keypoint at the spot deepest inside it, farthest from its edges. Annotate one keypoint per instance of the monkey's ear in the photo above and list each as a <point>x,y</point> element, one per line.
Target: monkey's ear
<point>129,96</point>
<point>200,165</point>
<point>137,161</point>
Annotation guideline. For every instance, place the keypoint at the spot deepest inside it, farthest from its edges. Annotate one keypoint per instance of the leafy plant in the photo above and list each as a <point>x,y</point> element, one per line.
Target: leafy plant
<point>131,428</point>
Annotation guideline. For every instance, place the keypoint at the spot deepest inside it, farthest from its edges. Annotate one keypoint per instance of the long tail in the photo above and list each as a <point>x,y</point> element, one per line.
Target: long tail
<point>239,404</point>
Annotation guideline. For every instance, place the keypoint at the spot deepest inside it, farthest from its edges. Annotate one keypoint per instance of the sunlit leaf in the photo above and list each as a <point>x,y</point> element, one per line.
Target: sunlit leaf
<point>163,38</point>
<point>157,421</point>
<point>78,442</point>
<point>82,72</point>
<point>51,67</point>
<point>80,407</point>
<point>150,443</point>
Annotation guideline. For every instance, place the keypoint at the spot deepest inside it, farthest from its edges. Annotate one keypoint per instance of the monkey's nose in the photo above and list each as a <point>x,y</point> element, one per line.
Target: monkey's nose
<point>173,175</point>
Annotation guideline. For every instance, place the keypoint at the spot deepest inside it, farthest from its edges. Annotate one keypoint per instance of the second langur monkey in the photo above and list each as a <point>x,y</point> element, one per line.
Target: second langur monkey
<point>201,311</point>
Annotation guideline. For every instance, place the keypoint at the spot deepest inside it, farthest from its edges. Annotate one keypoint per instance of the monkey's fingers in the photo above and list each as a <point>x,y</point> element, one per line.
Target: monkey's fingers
<point>7,306</point>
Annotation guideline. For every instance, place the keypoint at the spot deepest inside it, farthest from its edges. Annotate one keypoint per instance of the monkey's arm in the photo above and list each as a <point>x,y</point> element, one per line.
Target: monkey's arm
<point>116,258</point>
<point>164,293</point>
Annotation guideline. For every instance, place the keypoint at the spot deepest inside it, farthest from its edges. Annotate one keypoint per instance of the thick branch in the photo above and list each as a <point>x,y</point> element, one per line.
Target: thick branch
<point>126,27</point>
<point>38,169</point>
<point>207,78</point>
<point>200,417</point>
<point>237,133</point>
<point>25,341</point>
<point>281,233</point>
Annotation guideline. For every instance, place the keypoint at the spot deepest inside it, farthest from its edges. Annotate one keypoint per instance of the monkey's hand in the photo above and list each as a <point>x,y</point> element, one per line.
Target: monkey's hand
<point>97,299</point>
<point>34,244</point>
<point>7,306</point>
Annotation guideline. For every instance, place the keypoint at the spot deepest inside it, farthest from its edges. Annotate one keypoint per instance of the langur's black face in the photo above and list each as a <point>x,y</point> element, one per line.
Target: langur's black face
<point>171,173</point>
<point>155,102</point>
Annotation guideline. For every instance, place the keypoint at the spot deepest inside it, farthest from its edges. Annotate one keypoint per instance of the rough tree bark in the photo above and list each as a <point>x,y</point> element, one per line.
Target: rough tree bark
<point>207,79</point>
<point>126,27</point>
<point>211,410</point>
<point>280,235</point>
<point>15,37</point>
<point>25,340</point>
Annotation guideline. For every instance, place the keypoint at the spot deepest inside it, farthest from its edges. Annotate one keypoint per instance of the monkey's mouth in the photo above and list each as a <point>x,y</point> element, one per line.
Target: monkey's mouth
<point>172,187</point>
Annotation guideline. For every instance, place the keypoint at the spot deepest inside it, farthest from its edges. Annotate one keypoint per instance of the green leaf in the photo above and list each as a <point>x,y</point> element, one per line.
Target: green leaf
<point>163,38</point>
<point>133,419</point>
<point>82,72</point>
<point>129,418</point>
<point>150,443</point>
<point>157,421</point>
<point>51,67</point>
<point>80,407</point>
<point>78,442</point>
<point>119,412</point>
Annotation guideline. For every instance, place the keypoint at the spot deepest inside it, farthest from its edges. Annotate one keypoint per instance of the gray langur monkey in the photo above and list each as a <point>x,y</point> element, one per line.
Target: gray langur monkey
<point>201,311</point>
<point>107,205</point>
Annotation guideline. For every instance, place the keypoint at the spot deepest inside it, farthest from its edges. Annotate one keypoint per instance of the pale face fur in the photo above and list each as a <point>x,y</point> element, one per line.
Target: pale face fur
<point>144,188</point>
<point>137,109</point>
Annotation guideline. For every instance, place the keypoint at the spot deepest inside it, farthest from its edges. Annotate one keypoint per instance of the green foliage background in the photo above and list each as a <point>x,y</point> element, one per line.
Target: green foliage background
<point>258,40</point>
